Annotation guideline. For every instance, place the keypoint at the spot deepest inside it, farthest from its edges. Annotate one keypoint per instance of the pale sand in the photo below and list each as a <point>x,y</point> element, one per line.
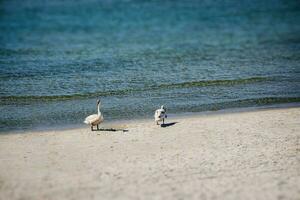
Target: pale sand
<point>247,155</point>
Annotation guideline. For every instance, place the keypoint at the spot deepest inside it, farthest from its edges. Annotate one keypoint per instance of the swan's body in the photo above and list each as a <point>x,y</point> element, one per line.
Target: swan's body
<point>95,119</point>
<point>160,115</point>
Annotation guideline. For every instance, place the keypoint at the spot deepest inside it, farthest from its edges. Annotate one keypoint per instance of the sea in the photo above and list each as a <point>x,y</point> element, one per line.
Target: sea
<point>58,57</point>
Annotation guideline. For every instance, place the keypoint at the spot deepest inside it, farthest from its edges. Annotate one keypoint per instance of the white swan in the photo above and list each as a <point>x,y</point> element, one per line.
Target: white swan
<point>160,115</point>
<point>95,119</point>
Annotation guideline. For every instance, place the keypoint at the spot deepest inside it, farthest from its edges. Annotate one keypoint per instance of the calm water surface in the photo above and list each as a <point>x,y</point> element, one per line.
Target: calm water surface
<point>58,57</point>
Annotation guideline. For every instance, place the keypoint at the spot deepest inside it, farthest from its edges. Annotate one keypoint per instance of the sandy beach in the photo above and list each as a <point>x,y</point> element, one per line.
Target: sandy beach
<point>244,155</point>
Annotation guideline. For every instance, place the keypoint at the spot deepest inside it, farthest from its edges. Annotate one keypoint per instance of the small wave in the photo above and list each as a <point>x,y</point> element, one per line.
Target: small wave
<point>214,82</point>
<point>204,83</point>
<point>253,102</point>
<point>239,103</point>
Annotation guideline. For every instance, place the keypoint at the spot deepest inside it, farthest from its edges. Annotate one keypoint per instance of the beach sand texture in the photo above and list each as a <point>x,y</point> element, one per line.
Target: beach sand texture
<point>245,155</point>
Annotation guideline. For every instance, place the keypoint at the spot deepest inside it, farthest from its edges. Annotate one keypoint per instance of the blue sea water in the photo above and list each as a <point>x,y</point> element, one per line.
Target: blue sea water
<point>57,57</point>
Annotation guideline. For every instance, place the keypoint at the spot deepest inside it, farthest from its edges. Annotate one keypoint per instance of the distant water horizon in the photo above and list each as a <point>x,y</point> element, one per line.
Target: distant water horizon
<point>58,57</point>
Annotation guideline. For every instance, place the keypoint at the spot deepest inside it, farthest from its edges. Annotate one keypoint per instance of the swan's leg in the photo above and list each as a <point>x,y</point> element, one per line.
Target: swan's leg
<point>97,127</point>
<point>163,120</point>
<point>91,128</point>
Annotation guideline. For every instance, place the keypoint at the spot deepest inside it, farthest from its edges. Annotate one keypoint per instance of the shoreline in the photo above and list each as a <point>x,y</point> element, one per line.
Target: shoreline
<point>106,124</point>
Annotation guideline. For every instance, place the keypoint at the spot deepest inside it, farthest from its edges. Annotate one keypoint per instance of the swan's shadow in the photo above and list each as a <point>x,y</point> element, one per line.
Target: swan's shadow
<point>111,129</point>
<point>168,124</point>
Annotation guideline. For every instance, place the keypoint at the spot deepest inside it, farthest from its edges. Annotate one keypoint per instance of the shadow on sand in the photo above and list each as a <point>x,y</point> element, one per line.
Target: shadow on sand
<point>168,124</point>
<point>111,129</point>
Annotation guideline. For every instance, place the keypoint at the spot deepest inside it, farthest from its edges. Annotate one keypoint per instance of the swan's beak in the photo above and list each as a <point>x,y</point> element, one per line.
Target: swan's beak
<point>98,101</point>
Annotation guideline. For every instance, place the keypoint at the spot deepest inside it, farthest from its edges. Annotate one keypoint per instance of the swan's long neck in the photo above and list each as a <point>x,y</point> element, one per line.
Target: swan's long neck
<point>99,113</point>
